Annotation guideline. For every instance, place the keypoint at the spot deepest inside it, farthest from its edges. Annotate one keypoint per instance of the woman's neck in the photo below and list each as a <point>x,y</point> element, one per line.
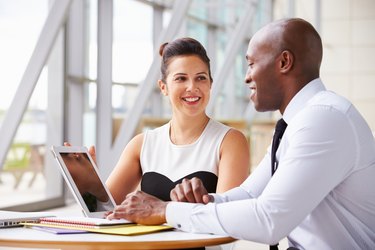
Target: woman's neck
<point>186,131</point>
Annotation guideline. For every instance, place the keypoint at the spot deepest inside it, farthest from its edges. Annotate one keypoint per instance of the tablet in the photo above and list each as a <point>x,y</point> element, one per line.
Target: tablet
<point>82,176</point>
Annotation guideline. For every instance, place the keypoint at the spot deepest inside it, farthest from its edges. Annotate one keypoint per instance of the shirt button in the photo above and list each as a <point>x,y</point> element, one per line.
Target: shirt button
<point>179,225</point>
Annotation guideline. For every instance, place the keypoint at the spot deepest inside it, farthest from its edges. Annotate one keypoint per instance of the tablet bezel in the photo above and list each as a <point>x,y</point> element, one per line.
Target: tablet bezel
<point>56,151</point>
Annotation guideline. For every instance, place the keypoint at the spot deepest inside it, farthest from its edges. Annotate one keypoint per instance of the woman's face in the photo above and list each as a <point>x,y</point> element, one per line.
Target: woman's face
<point>188,85</point>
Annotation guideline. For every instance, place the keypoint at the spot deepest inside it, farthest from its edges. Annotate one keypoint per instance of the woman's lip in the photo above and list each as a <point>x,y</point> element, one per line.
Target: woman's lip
<point>191,98</point>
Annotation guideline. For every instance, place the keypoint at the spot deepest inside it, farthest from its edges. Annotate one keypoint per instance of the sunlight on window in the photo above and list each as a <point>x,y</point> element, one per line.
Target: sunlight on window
<point>22,179</point>
<point>20,24</point>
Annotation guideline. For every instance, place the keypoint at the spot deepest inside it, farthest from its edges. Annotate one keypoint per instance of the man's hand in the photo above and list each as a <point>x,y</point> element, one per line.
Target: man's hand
<point>141,208</point>
<point>191,191</point>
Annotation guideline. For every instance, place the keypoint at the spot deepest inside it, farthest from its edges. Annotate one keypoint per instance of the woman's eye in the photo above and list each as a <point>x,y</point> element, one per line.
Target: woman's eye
<point>202,78</point>
<point>179,79</point>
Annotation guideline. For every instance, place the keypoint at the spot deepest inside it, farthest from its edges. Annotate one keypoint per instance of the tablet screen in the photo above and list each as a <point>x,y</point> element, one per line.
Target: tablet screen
<point>86,179</point>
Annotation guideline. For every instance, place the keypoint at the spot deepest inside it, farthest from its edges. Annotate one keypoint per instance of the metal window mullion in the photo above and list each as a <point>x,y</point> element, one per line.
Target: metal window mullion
<point>76,44</point>
<point>38,59</point>
<point>104,86</point>
<point>157,28</point>
<point>318,15</point>
<point>212,36</point>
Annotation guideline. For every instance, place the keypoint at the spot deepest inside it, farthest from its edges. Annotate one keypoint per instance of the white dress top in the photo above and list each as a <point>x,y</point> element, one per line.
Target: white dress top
<point>165,164</point>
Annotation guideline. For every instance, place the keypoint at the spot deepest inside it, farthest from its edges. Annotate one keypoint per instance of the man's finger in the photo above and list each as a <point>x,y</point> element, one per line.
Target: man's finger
<point>207,198</point>
<point>198,190</point>
<point>180,193</point>
<point>188,190</point>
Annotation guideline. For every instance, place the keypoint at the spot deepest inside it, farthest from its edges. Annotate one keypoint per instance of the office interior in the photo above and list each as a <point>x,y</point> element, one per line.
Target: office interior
<point>86,71</point>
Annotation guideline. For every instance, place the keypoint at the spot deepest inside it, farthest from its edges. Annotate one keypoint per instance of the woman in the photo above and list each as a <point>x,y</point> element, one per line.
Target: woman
<point>190,144</point>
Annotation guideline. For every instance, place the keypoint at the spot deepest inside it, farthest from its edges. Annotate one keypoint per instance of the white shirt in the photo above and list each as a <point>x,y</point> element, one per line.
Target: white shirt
<point>322,195</point>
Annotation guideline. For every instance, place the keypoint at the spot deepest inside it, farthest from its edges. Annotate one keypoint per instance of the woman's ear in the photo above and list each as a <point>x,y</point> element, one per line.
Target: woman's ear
<point>163,87</point>
<point>286,61</point>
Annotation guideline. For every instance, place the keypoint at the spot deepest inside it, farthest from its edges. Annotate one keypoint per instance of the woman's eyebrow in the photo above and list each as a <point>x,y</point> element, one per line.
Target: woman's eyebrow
<point>179,73</point>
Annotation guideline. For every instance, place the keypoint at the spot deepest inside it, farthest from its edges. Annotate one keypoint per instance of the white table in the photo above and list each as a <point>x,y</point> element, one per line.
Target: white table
<point>30,238</point>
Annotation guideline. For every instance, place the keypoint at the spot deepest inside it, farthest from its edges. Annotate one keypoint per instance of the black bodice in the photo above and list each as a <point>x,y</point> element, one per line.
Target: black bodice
<point>160,186</point>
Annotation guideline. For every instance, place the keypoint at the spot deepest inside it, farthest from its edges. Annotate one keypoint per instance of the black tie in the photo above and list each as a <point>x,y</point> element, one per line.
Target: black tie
<point>279,131</point>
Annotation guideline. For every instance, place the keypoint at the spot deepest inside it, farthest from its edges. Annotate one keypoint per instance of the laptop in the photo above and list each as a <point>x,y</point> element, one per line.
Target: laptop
<point>13,219</point>
<point>82,177</point>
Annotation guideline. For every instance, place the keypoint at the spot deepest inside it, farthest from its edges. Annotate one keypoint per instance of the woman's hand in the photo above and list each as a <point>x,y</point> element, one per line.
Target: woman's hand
<point>91,150</point>
<point>192,191</point>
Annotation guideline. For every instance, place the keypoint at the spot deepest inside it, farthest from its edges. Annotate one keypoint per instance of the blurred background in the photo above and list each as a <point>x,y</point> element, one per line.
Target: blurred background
<point>86,71</point>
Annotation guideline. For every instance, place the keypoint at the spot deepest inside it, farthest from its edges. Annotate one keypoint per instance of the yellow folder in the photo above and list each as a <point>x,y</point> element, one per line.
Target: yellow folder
<point>129,229</point>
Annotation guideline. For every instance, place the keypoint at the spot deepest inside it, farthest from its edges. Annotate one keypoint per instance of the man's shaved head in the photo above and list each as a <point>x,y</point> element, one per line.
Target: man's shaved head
<point>283,57</point>
<point>297,36</point>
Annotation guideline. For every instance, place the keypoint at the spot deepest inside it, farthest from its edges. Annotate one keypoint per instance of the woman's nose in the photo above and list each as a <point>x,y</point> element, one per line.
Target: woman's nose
<point>192,85</point>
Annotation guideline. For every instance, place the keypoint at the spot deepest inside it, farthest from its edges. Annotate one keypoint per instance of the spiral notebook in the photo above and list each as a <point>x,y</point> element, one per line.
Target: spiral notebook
<point>82,222</point>
<point>95,225</point>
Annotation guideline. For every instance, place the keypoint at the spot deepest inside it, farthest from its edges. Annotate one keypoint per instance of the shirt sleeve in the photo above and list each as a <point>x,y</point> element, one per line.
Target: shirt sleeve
<point>252,187</point>
<point>315,157</point>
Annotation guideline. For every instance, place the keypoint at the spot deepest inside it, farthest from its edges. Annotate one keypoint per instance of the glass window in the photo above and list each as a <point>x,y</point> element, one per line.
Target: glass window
<point>23,178</point>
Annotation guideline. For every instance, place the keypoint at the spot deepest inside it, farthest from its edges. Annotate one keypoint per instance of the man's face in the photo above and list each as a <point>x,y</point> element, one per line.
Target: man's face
<point>262,75</point>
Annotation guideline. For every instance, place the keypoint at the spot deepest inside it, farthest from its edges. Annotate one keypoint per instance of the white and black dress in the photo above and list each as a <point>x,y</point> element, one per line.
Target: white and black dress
<point>165,164</point>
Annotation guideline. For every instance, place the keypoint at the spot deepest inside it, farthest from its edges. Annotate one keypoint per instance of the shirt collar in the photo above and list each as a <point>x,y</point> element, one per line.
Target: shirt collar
<point>300,100</point>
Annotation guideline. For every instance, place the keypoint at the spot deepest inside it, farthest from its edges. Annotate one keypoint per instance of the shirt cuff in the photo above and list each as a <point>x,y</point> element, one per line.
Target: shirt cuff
<point>194,218</point>
<point>178,215</point>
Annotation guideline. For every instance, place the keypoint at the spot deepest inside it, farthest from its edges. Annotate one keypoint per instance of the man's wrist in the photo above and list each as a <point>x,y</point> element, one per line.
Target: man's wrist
<point>163,211</point>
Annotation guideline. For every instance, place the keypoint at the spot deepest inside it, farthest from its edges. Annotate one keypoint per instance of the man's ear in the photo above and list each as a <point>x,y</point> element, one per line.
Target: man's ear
<point>163,87</point>
<point>286,61</point>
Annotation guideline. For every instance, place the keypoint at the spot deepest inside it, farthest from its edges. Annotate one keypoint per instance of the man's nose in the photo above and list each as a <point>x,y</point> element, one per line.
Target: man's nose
<point>248,78</point>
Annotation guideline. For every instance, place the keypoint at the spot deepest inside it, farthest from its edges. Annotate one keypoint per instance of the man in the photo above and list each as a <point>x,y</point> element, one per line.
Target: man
<point>321,195</point>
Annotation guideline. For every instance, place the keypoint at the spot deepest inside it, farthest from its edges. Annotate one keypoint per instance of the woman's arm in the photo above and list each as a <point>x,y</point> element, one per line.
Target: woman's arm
<point>234,163</point>
<point>126,175</point>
